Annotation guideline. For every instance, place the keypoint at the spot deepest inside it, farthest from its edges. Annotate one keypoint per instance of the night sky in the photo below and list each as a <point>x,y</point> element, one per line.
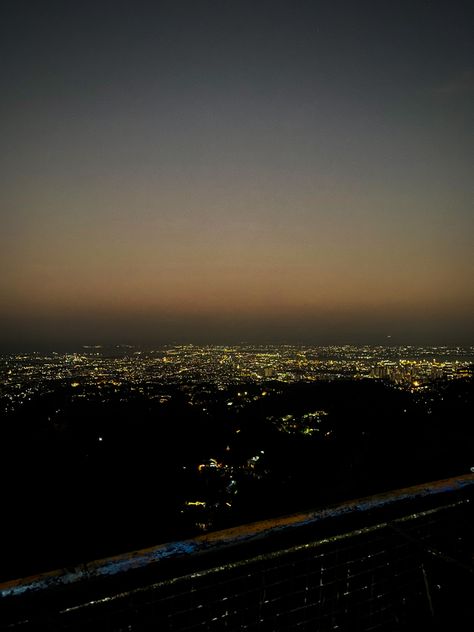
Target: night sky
<point>236,171</point>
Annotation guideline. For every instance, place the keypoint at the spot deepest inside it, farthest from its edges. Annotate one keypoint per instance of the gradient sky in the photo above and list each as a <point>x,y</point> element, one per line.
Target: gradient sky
<point>267,171</point>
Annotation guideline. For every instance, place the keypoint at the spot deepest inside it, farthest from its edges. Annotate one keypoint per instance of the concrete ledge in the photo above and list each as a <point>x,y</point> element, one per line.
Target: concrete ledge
<point>121,565</point>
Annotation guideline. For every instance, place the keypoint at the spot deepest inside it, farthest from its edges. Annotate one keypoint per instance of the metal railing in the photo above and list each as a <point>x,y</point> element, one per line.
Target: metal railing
<point>394,561</point>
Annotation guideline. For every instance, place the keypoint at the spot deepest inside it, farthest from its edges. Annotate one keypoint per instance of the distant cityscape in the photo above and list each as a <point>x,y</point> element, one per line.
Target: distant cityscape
<point>138,369</point>
<point>213,436</point>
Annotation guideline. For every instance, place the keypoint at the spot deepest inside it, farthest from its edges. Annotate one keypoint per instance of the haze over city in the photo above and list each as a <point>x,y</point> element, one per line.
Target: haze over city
<point>216,172</point>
